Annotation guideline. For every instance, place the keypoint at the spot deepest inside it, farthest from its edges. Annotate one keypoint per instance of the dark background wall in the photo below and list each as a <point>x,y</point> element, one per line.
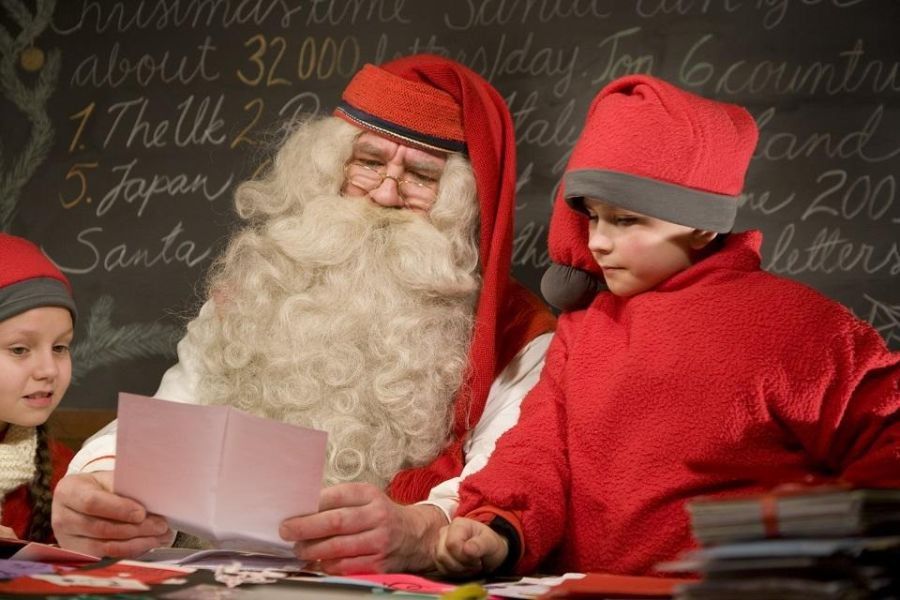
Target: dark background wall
<point>126,125</point>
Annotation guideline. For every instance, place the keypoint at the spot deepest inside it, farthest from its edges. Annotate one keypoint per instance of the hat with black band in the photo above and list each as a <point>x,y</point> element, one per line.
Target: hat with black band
<point>410,112</point>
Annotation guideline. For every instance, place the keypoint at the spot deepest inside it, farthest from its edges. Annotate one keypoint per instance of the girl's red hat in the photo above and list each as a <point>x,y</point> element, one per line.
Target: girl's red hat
<point>28,279</point>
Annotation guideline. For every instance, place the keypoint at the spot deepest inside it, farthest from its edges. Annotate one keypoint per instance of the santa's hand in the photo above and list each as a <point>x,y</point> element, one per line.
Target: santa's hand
<point>88,517</point>
<point>358,529</point>
<point>467,547</point>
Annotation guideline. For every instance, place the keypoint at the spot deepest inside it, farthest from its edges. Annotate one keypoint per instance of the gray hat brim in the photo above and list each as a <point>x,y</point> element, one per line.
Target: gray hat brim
<point>666,201</point>
<point>35,293</point>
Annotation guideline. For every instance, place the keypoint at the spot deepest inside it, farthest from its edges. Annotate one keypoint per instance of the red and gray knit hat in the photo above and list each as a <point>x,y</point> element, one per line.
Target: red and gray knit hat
<point>29,280</point>
<point>652,148</point>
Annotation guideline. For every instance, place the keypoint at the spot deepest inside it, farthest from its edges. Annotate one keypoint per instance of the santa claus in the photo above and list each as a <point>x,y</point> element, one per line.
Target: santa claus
<point>368,295</point>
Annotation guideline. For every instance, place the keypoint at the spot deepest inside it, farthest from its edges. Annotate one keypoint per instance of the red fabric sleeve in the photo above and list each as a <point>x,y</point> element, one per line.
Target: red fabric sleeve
<point>528,473</point>
<point>845,408</point>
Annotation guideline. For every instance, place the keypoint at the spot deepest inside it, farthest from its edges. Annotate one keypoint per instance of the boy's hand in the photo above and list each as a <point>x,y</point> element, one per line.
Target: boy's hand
<point>467,547</point>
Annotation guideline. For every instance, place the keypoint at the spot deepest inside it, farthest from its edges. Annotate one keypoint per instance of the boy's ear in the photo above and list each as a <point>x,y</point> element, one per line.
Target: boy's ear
<point>700,238</point>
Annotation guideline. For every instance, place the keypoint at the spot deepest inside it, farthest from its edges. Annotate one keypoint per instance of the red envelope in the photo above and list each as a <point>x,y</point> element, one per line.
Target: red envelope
<point>595,585</point>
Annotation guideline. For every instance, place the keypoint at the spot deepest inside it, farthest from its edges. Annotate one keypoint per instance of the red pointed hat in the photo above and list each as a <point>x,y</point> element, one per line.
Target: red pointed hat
<point>28,279</point>
<point>649,147</point>
<point>437,103</point>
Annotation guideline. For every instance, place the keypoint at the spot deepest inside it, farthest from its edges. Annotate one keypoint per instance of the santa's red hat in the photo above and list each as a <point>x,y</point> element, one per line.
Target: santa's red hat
<point>28,279</point>
<point>437,103</point>
<point>652,148</point>
<point>409,112</point>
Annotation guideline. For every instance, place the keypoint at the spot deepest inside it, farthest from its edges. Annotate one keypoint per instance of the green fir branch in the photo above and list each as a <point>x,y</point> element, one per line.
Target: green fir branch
<point>105,344</point>
<point>32,102</point>
<point>18,12</point>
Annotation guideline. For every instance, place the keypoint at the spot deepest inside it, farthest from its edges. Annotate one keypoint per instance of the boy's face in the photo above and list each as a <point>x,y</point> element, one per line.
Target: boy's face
<point>637,252</point>
<point>35,366</point>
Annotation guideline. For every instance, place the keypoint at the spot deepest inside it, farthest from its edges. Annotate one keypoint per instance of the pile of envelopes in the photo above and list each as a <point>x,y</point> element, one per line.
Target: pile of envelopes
<point>809,544</point>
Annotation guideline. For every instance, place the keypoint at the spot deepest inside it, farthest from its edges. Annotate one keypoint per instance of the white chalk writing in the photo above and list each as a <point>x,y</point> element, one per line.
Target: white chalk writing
<point>122,256</point>
<point>829,252</point>
<point>116,70</point>
<point>784,77</point>
<point>503,12</point>
<point>885,318</point>
<point>788,145</point>
<point>102,16</point>
<point>137,189</point>
<point>195,124</point>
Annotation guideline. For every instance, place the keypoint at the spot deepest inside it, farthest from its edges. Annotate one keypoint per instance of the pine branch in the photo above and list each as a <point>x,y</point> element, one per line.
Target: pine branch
<point>31,102</point>
<point>105,344</point>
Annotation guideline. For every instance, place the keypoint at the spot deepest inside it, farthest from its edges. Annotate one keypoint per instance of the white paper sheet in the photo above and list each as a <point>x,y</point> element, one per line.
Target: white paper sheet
<point>216,472</point>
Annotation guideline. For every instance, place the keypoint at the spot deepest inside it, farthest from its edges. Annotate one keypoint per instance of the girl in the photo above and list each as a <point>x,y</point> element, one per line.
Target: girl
<point>37,316</point>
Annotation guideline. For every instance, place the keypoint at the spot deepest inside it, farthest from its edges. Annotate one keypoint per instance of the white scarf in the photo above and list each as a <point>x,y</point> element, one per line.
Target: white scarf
<point>17,458</point>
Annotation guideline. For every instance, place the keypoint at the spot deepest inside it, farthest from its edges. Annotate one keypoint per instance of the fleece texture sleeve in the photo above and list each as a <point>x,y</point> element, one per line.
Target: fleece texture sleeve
<point>529,471</point>
<point>840,398</point>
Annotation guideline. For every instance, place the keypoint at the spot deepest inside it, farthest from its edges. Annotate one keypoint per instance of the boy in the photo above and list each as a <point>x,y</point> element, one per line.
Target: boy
<point>695,374</point>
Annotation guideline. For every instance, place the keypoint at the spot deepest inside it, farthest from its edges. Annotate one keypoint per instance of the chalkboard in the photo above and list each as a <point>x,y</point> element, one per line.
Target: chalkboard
<point>127,124</point>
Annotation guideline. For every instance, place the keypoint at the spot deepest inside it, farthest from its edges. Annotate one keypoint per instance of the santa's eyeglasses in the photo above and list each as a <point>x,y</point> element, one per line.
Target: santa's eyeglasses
<point>414,191</point>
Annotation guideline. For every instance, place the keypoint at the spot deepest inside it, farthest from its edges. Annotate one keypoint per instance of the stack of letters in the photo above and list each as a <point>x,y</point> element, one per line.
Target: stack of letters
<point>818,543</point>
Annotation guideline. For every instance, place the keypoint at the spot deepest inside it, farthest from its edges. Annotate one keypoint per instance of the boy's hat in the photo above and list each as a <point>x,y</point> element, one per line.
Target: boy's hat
<point>28,279</point>
<point>653,148</point>
<point>649,147</point>
<point>410,112</point>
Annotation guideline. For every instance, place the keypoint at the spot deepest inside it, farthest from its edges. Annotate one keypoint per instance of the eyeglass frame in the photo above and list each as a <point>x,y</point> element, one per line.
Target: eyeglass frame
<point>397,180</point>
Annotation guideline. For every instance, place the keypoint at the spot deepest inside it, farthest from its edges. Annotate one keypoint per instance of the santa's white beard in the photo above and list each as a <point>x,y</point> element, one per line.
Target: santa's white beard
<point>345,317</point>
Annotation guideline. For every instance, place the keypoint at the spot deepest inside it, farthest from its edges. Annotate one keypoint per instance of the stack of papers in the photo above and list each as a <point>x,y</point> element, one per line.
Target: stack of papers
<point>825,513</point>
<point>828,544</point>
<point>804,568</point>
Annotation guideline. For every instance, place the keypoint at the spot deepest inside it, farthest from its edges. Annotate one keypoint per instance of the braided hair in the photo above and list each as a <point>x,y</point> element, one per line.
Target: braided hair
<point>39,490</point>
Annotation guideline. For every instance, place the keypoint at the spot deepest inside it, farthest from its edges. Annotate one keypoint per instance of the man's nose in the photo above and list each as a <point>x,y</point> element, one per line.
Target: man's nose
<point>387,194</point>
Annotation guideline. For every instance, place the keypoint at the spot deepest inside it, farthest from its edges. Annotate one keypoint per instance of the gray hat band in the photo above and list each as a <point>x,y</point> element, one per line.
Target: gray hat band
<point>35,293</point>
<point>666,201</point>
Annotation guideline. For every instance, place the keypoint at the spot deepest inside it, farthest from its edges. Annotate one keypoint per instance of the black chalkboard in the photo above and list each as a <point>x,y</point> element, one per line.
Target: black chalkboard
<point>126,124</point>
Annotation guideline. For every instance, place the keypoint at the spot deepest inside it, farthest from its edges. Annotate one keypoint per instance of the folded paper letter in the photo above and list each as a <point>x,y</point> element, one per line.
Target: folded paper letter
<point>217,472</point>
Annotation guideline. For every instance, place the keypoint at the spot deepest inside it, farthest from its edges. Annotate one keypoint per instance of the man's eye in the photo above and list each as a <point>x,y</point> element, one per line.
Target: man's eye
<point>18,350</point>
<point>372,163</point>
<point>61,348</point>
<point>421,178</point>
<point>626,220</point>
